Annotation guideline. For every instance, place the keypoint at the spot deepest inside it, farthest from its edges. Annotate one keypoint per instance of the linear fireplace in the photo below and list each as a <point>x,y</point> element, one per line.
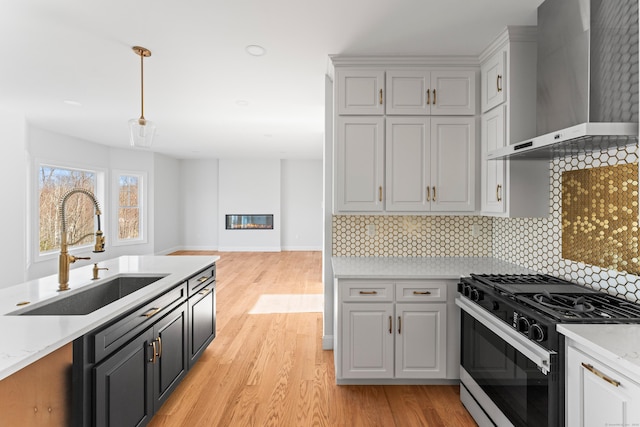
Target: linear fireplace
<point>249,222</point>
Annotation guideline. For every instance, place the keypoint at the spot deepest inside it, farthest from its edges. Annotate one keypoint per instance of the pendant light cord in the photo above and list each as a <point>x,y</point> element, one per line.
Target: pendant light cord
<point>141,87</point>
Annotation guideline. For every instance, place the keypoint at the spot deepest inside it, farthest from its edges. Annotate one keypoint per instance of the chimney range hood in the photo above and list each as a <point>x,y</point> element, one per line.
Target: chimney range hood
<point>587,79</point>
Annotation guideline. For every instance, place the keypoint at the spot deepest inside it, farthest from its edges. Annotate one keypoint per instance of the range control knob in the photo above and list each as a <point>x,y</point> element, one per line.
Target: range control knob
<point>495,306</point>
<point>466,290</point>
<point>474,295</point>
<point>537,333</point>
<point>523,324</point>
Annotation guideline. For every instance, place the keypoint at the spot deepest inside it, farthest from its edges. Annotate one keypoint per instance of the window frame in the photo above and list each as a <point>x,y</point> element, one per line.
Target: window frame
<point>115,207</point>
<point>100,192</point>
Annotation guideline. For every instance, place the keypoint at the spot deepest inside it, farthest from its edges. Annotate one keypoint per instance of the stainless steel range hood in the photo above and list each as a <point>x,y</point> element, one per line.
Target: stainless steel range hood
<point>587,79</point>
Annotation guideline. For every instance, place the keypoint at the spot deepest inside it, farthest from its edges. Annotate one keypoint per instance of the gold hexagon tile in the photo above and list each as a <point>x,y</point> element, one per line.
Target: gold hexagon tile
<point>600,217</point>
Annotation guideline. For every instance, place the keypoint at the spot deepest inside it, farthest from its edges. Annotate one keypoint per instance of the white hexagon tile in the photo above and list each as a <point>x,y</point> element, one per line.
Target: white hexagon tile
<point>534,243</point>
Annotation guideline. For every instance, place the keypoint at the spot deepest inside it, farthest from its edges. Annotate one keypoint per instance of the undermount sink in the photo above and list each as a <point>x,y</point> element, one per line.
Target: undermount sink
<point>91,299</point>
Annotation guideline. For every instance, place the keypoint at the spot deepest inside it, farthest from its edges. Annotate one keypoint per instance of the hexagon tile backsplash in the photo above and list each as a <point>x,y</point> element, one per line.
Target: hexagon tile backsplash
<point>534,243</point>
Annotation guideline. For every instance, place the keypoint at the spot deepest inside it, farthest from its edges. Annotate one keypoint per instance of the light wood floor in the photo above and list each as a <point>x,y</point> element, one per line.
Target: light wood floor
<point>270,369</point>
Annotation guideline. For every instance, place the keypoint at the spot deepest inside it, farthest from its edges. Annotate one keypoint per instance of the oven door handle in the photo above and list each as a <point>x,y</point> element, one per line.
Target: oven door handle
<point>529,349</point>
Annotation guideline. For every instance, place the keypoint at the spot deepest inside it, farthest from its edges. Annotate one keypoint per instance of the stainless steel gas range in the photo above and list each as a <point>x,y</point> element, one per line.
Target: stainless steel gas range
<point>512,361</point>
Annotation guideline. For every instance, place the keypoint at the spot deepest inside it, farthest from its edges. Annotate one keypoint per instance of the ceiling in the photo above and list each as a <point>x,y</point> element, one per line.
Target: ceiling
<point>68,64</point>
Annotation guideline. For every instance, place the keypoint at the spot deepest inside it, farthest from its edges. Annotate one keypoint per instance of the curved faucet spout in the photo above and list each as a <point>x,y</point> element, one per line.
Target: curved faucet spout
<point>65,259</point>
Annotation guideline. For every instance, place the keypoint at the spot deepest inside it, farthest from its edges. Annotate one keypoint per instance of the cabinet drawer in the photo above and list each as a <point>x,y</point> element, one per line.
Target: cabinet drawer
<point>366,291</point>
<point>421,291</point>
<point>201,279</point>
<point>118,333</point>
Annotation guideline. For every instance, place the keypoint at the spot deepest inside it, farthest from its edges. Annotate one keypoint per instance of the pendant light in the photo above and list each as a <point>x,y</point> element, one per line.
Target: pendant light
<point>141,130</point>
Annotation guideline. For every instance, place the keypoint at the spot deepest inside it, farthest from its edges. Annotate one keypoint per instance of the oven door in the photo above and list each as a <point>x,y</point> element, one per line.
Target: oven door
<point>514,380</point>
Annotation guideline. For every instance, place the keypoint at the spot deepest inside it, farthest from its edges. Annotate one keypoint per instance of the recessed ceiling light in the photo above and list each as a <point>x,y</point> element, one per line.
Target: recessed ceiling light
<point>73,103</point>
<point>242,103</point>
<point>255,50</point>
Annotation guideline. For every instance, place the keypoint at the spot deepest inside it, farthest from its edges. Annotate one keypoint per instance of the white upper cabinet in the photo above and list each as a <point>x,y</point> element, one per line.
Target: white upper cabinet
<point>360,92</point>
<point>424,92</point>
<point>404,134</point>
<point>493,173</point>
<point>453,93</point>
<point>513,188</point>
<point>408,158</point>
<point>493,74</point>
<point>430,164</point>
<point>359,163</point>
<point>453,159</point>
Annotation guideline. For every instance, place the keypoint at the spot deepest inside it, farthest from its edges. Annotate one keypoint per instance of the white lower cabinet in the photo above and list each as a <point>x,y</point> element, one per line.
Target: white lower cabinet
<point>598,394</point>
<point>391,330</point>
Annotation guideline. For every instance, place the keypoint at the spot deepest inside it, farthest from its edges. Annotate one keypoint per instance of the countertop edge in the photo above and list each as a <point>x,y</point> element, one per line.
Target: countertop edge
<point>593,336</point>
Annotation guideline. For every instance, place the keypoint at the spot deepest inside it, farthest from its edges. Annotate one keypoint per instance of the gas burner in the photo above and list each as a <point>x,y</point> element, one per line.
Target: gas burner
<point>564,303</point>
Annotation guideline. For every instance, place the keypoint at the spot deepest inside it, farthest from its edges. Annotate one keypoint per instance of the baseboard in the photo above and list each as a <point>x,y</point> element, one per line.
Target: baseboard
<point>186,248</point>
<point>250,249</point>
<point>301,248</point>
<point>327,342</point>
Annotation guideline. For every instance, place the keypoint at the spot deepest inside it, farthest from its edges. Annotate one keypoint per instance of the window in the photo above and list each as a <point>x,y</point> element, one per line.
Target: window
<point>54,182</point>
<point>129,194</point>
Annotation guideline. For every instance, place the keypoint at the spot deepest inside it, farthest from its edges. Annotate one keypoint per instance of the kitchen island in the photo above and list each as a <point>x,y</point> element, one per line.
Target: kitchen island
<point>29,341</point>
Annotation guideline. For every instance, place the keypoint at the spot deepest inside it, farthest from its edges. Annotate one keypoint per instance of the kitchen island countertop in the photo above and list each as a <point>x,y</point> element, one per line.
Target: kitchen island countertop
<point>420,267</point>
<point>26,339</point>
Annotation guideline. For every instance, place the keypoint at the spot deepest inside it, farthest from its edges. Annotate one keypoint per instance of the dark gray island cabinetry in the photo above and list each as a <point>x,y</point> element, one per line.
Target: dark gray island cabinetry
<point>125,370</point>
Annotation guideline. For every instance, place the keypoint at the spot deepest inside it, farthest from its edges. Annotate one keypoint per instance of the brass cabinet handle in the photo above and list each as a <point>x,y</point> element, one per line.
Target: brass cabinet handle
<point>434,97</point>
<point>151,312</point>
<point>368,293</point>
<point>203,279</point>
<point>159,346</point>
<point>204,291</point>
<point>428,194</point>
<point>421,293</point>
<point>154,353</point>
<point>399,326</point>
<point>380,96</point>
<point>434,194</point>
<point>596,372</point>
<point>380,193</point>
<point>499,83</point>
<point>390,326</point>
<point>428,97</point>
<point>498,191</point>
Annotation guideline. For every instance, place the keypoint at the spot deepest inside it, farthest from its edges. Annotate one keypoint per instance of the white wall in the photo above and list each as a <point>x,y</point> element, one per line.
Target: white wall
<point>249,186</point>
<point>72,152</point>
<point>199,200</point>
<point>13,193</point>
<point>167,207</point>
<point>301,209</point>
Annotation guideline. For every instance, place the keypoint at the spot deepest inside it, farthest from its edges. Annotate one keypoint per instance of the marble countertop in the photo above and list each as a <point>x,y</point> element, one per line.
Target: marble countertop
<point>26,339</point>
<point>618,343</point>
<point>420,267</point>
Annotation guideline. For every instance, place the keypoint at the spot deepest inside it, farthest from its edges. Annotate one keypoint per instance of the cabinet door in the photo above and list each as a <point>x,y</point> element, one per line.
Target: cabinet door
<point>360,92</point>
<point>421,340</point>
<point>360,164</point>
<point>493,171</point>
<point>123,385</point>
<point>453,164</point>
<point>597,395</point>
<point>367,340</point>
<point>407,160</point>
<point>171,362</point>
<point>493,81</point>
<point>202,315</point>
<point>407,92</point>
<point>453,93</point>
